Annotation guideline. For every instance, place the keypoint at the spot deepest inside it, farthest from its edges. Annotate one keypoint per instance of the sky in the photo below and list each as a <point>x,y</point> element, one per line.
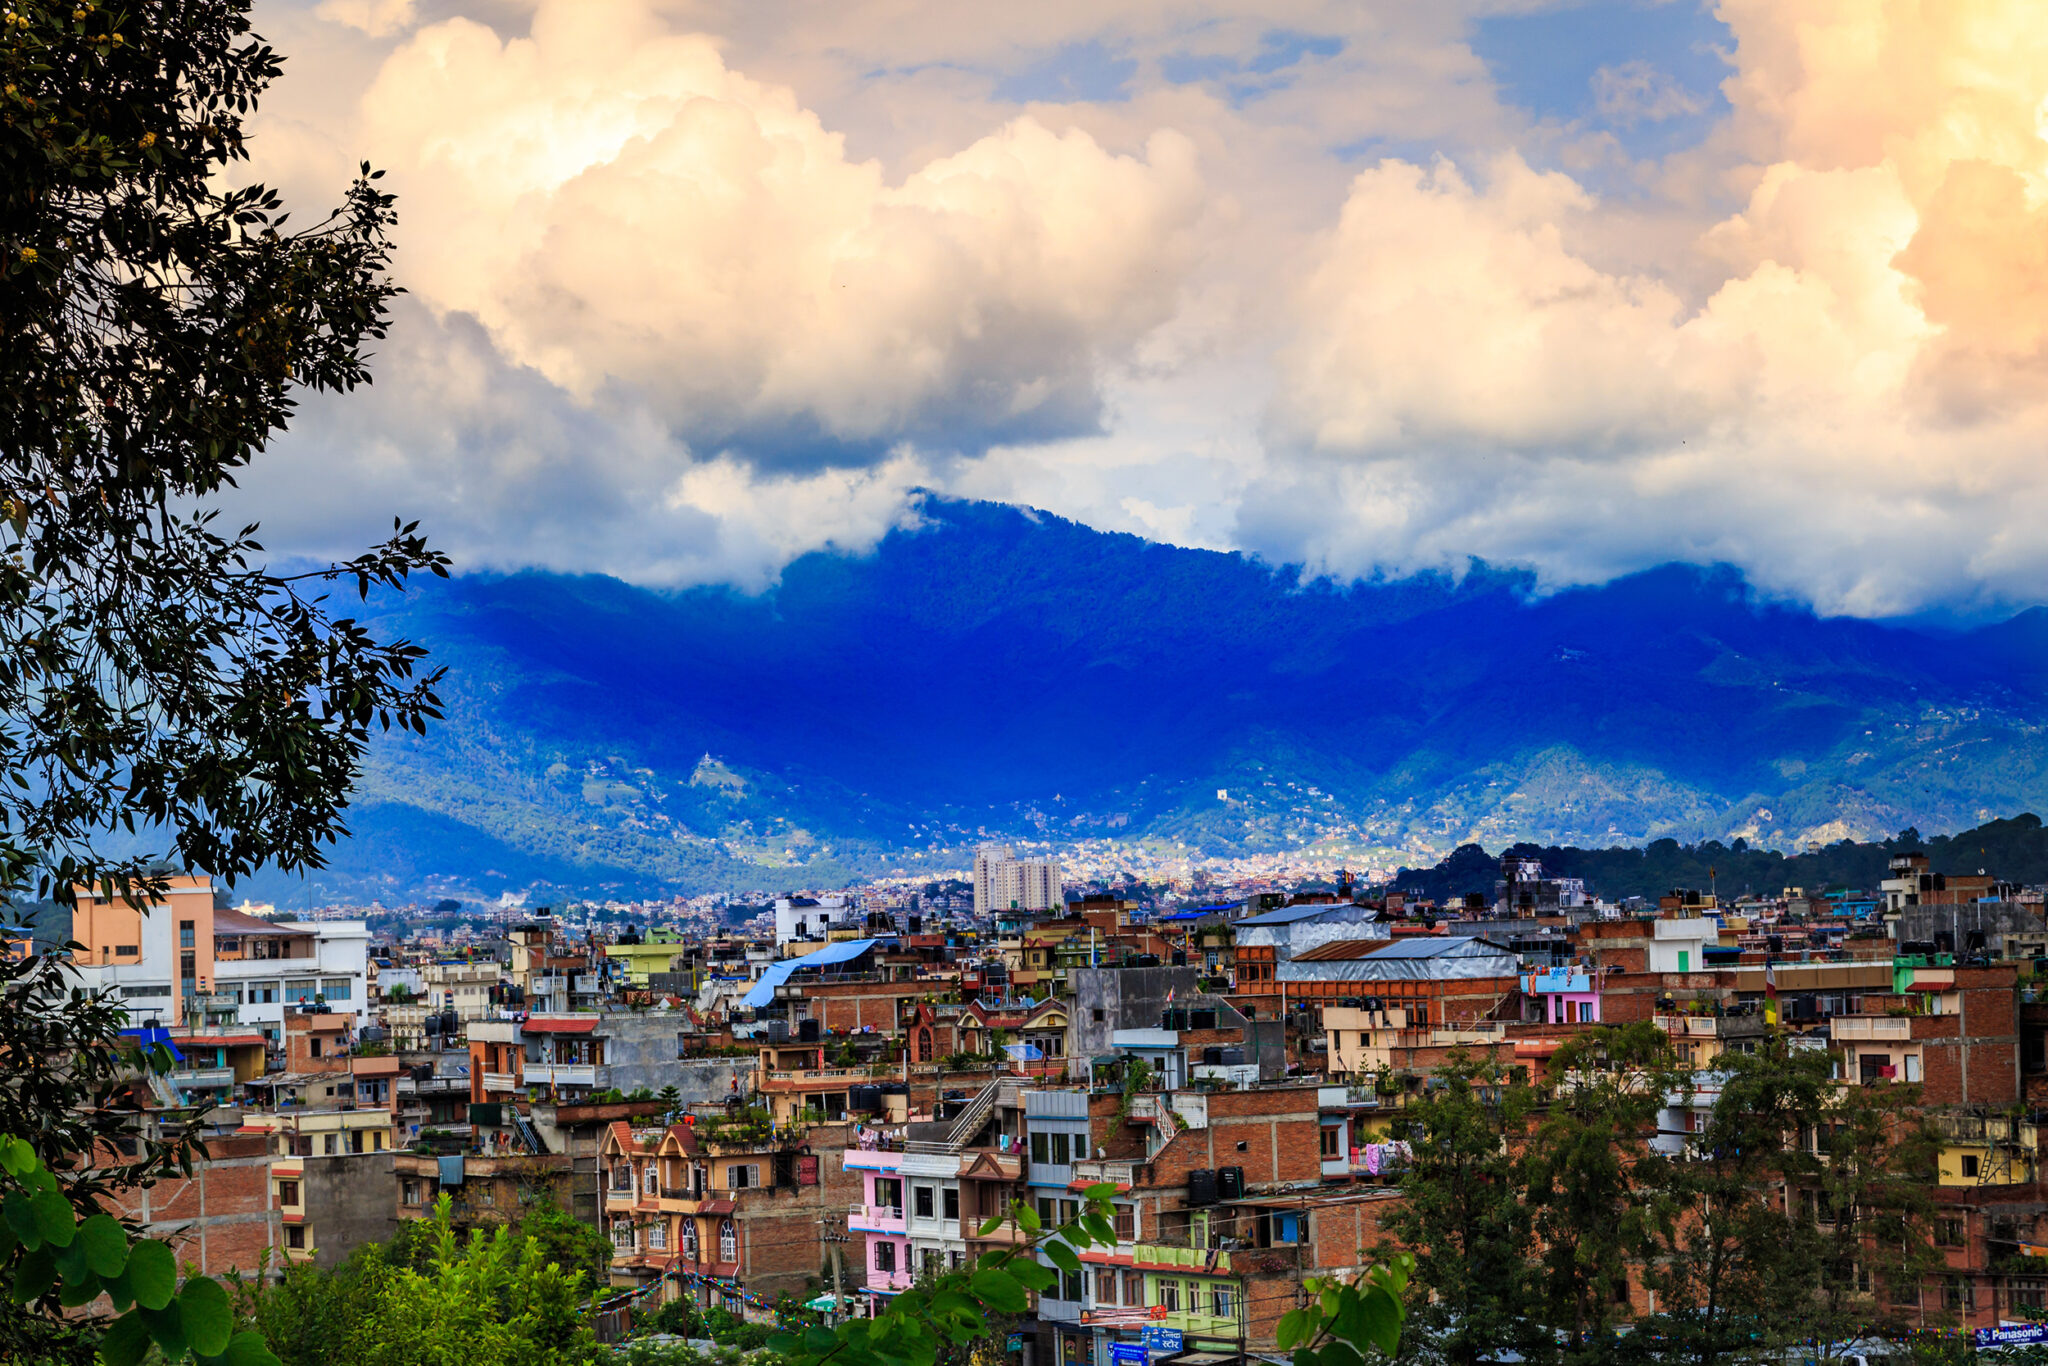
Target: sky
<point>698,286</point>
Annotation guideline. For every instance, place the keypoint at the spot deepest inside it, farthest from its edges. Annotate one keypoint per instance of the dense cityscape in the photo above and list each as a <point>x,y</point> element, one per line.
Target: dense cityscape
<point>799,1114</point>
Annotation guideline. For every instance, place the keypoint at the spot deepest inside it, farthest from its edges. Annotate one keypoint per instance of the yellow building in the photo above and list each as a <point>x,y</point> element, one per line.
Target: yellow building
<point>655,952</point>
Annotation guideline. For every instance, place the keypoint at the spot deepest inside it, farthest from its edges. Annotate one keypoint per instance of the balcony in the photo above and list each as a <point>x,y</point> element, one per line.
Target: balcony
<point>1712,1026</point>
<point>202,1078</point>
<point>1092,1172</point>
<point>888,1282</point>
<point>875,1219</point>
<point>1865,1028</point>
<point>559,1074</point>
<point>872,1160</point>
<point>499,1081</point>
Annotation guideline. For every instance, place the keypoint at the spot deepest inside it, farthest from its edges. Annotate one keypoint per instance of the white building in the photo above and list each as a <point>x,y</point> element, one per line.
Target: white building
<point>801,917</point>
<point>1003,882</point>
<point>1680,945</point>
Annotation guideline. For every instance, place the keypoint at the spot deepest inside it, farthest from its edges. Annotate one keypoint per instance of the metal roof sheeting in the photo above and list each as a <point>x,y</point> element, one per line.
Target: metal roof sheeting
<point>1425,958</point>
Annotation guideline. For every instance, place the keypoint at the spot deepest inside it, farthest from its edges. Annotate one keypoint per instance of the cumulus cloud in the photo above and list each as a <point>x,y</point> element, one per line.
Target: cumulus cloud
<point>634,220</point>
<point>1852,413</point>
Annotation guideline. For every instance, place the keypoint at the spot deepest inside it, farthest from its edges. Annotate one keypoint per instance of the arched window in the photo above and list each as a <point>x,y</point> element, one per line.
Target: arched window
<point>924,1045</point>
<point>653,1179</point>
<point>728,1241</point>
<point>690,1239</point>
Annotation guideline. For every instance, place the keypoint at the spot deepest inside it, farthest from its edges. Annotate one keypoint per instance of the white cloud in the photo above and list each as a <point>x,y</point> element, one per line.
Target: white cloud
<point>697,288</point>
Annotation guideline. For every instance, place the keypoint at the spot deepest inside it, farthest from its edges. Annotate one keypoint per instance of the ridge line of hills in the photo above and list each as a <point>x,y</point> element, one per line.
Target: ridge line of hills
<point>992,671</point>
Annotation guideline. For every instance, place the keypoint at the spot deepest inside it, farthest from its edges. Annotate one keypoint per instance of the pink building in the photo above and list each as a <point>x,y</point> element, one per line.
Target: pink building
<point>881,1217</point>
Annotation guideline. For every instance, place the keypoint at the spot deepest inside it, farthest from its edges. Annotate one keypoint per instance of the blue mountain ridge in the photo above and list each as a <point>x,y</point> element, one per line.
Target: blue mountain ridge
<point>998,670</point>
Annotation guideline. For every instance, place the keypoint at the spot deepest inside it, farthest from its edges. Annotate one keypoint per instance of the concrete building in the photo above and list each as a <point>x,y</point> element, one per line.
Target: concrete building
<point>180,961</point>
<point>1267,941</point>
<point>1003,882</point>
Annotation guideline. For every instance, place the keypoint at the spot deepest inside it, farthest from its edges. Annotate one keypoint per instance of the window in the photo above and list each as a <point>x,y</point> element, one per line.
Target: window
<point>1070,1286</point>
<point>1958,1294</point>
<point>486,1194</point>
<point>287,1192</point>
<point>728,1241</point>
<point>952,1202</point>
<point>622,1235</point>
<point>1060,1156</point>
<point>1098,1014</point>
<point>742,1176</point>
<point>262,993</point>
<point>2028,1294</point>
<point>1948,1232</point>
<point>1333,1141</point>
<point>934,1261</point>
<point>690,1239</point>
<point>145,990</point>
<point>650,1179</point>
<point>1225,1302</point>
<point>622,1177</point>
<point>956,1259</point>
<point>1105,1287</point>
<point>1169,1295</point>
<point>127,951</point>
<point>889,1194</point>
<point>1041,1149</point>
<point>332,1145</point>
<point>657,1232</point>
<point>335,988</point>
<point>1134,1289</point>
<point>185,934</point>
<point>1126,1224</point>
<point>1048,1212</point>
<point>295,1237</point>
<point>314,1046</point>
<point>1969,1166</point>
<point>922,1195</point>
<point>885,1256</point>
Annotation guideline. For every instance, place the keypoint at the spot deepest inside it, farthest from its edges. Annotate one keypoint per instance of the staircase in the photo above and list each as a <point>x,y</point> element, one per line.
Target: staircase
<point>969,1121</point>
<point>523,1126</point>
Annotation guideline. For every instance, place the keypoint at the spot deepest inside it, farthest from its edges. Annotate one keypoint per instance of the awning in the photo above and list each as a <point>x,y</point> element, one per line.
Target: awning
<point>719,1207</point>
<point>560,1024</point>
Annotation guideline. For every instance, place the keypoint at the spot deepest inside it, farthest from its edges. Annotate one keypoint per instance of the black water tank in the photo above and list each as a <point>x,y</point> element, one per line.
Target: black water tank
<point>1202,1187</point>
<point>894,1088</point>
<point>1212,1057</point>
<point>864,1100</point>
<point>1230,1183</point>
<point>806,1031</point>
<point>1233,1057</point>
<point>449,1024</point>
<point>1201,1019</point>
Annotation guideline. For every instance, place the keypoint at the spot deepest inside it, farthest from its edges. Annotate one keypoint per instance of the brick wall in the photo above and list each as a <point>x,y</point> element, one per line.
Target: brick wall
<point>220,1218</point>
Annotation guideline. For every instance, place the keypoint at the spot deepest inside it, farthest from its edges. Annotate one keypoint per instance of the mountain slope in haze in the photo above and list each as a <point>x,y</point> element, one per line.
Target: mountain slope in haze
<point>1006,671</point>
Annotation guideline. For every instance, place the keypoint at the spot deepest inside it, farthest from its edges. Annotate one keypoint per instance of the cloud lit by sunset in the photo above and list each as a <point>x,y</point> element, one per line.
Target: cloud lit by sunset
<point>1345,286</point>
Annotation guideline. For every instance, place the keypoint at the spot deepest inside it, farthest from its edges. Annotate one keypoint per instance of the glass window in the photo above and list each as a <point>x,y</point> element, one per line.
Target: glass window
<point>1059,1150</point>
<point>1040,1148</point>
<point>335,988</point>
<point>923,1197</point>
<point>1225,1302</point>
<point>1126,1224</point>
<point>1105,1287</point>
<point>1169,1295</point>
<point>952,1202</point>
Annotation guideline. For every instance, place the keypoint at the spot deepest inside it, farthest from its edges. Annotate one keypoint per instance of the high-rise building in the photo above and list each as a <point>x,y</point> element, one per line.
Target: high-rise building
<point>1003,882</point>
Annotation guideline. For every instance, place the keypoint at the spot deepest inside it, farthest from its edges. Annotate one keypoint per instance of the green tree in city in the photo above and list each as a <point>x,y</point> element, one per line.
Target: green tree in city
<point>1463,1218</point>
<point>1587,1171</point>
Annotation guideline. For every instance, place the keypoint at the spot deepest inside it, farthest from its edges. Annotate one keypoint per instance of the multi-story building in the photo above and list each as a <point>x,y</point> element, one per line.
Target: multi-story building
<point>469,988</point>
<point>330,1177</point>
<point>179,958</point>
<point>1003,882</point>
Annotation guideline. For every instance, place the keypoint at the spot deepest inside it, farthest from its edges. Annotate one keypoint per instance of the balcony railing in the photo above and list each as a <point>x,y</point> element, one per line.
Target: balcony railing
<point>499,1081</point>
<point>1093,1171</point>
<point>1860,1027</point>
<point>875,1218</point>
<point>561,1074</point>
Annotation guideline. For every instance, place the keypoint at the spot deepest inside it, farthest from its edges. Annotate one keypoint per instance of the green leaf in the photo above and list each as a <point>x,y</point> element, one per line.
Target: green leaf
<point>1382,1319</point>
<point>105,1244</point>
<point>125,1342</point>
<point>1293,1324</point>
<point>818,1341</point>
<point>1032,1275</point>
<point>152,1274</point>
<point>999,1290</point>
<point>17,1156</point>
<point>54,1219</point>
<point>19,1212</point>
<point>1060,1255</point>
<point>1099,1228</point>
<point>79,1290</point>
<point>990,1225</point>
<point>1101,1190</point>
<point>1028,1217</point>
<point>34,1274</point>
<point>209,1321</point>
<point>783,1344</point>
<point>166,1328</point>
<point>118,1291</point>
<point>248,1349</point>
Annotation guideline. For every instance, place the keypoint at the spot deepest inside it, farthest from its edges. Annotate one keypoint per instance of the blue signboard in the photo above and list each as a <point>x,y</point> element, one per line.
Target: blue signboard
<point>1126,1354</point>
<point>1158,1339</point>
<point>2012,1335</point>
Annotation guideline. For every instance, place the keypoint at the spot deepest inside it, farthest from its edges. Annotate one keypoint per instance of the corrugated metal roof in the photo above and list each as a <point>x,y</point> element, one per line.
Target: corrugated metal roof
<point>1421,959</point>
<point>1288,915</point>
<point>1342,948</point>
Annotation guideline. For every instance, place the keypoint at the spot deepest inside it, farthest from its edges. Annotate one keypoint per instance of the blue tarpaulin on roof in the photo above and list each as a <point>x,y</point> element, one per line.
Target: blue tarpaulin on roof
<point>778,973</point>
<point>159,1035</point>
<point>1024,1052</point>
